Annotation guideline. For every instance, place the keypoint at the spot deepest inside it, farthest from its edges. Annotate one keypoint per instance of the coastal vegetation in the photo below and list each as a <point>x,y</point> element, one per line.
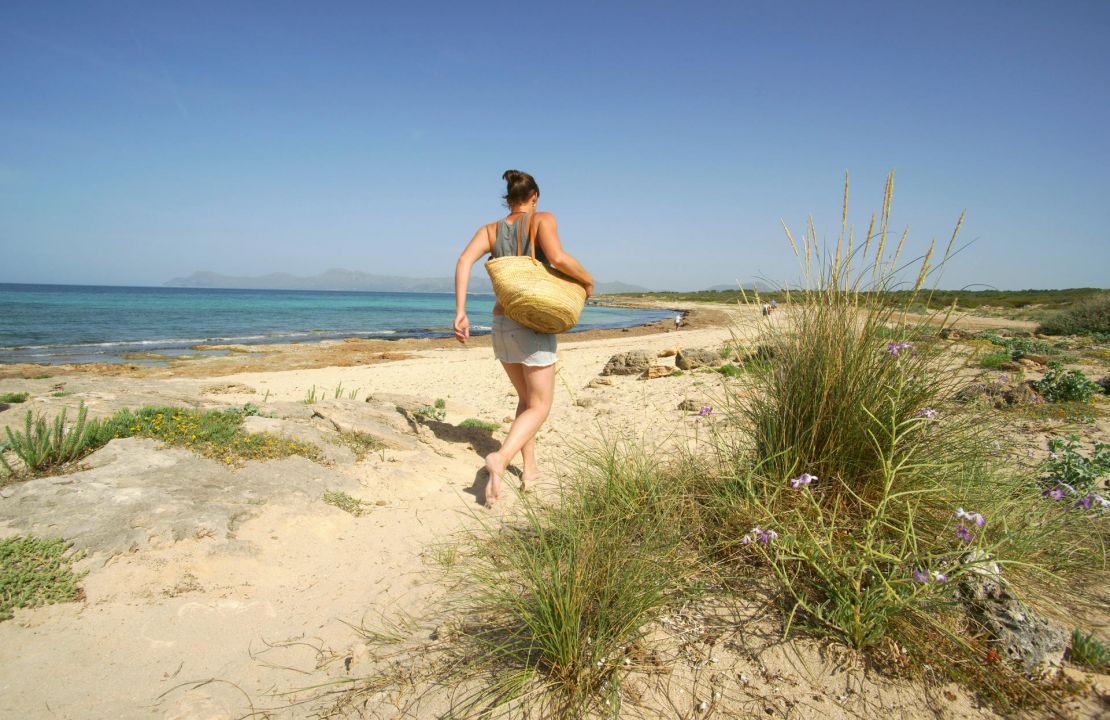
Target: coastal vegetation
<point>47,446</point>
<point>1089,316</point>
<point>35,572</point>
<point>14,397</point>
<point>845,483</point>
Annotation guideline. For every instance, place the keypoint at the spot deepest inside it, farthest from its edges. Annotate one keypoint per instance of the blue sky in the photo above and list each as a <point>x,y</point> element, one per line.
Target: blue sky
<point>142,141</point>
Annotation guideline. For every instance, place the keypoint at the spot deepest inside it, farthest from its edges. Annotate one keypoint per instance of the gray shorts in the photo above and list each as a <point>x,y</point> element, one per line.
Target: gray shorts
<point>515,343</point>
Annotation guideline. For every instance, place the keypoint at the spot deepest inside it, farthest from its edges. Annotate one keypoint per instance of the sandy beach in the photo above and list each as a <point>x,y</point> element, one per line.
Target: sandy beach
<point>214,589</point>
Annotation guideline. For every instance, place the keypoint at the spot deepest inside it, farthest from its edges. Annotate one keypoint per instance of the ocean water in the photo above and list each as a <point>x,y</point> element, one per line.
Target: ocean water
<point>82,323</point>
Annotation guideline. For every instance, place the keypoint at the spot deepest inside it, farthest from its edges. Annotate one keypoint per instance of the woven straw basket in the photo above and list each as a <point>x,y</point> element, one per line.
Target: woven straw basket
<point>536,296</point>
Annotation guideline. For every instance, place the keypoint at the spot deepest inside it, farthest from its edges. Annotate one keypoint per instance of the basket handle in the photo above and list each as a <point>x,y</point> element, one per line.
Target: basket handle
<point>524,233</point>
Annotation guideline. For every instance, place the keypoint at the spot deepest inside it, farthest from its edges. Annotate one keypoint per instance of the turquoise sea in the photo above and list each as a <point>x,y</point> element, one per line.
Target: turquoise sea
<point>85,323</point>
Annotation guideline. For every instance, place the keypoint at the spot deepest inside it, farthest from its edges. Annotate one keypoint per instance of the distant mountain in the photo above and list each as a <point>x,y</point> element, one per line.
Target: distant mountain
<point>337,279</point>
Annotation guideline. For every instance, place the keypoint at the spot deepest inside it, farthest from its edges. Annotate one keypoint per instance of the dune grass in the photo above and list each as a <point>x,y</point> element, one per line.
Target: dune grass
<point>843,471</point>
<point>14,397</point>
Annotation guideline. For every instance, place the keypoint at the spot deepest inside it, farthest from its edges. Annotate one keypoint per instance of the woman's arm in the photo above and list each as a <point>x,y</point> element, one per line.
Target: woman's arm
<point>478,246</point>
<point>547,235</point>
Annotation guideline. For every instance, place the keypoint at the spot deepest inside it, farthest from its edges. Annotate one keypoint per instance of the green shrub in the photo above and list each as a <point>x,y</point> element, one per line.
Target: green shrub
<point>42,446</point>
<point>730,370</point>
<point>35,572</point>
<point>362,443</point>
<point>480,424</point>
<point>14,398</point>
<point>1059,385</point>
<point>995,360</point>
<point>1088,316</point>
<point>1067,469</point>
<point>1087,650</point>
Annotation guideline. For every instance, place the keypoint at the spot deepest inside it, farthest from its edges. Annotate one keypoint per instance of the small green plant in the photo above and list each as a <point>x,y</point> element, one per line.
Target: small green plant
<point>338,392</point>
<point>441,404</point>
<point>480,424</point>
<point>995,360</point>
<point>1087,650</point>
<point>60,393</point>
<point>675,373</point>
<point>353,395</point>
<point>14,398</point>
<point>35,572</point>
<point>1019,347</point>
<point>1064,385</point>
<point>1067,467</point>
<point>362,443</point>
<point>42,447</point>
<point>311,397</point>
<point>730,370</point>
<point>250,410</point>
<point>427,412</point>
<point>347,503</point>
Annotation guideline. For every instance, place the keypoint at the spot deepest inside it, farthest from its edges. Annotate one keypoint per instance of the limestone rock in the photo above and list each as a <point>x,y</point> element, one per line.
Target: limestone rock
<point>669,352</point>
<point>657,371</point>
<point>697,357</point>
<point>691,405</point>
<point>632,362</point>
<point>1022,635</point>
<point>599,382</point>
<point>231,388</point>
<point>1035,358</point>
<point>1022,394</point>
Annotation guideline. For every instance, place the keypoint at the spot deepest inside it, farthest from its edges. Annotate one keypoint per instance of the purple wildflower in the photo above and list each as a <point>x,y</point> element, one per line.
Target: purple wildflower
<point>1057,493</point>
<point>802,480</point>
<point>1103,502</point>
<point>973,517</point>
<point>705,411</point>
<point>1003,379</point>
<point>1085,503</point>
<point>940,577</point>
<point>926,413</point>
<point>920,576</point>
<point>895,347</point>
<point>746,540</point>
<point>963,533</point>
<point>767,536</point>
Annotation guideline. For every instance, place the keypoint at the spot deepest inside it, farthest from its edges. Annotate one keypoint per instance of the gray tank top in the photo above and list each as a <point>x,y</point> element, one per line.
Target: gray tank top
<point>505,243</point>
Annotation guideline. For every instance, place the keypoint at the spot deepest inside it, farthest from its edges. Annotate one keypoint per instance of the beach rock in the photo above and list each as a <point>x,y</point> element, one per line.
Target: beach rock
<point>1023,636</point>
<point>632,362</point>
<point>377,416</point>
<point>669,352</point>
<point>1035,358</point>
<point>1022,394</point>
<point>697,357</point>
<point>953,334</point>
<point>585,402</point>
<point>599,382</point>
<point>137,493</point>
<point>691,405</point>
<point>228,389</point>
<point>657,371</point>
<point>762,353</point>
<point>1104,383</point>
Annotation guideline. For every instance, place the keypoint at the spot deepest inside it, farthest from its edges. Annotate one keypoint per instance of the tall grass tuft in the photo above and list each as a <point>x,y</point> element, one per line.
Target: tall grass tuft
<point>559,601</point>
<point>865,488</point>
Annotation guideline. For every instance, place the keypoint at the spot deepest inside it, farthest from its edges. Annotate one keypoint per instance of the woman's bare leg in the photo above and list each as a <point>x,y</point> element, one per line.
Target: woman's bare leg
<point>531,471</point>
<point>539,384</point>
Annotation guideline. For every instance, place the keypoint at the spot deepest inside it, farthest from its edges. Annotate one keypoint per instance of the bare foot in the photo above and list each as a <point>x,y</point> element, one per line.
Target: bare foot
<point>495,469</point>
<point>528,479</point>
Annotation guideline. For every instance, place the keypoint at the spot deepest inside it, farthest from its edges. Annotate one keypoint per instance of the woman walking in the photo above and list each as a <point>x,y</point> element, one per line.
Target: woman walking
<point>527,356</point>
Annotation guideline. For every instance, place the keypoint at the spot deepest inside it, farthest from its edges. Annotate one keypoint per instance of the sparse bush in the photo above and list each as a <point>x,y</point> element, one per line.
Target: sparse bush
<point>1059,385</point>
<point>480,424</point>
<point>347,503</point>
<point>730,370</point>
<point>35,572</point>
<point>362,443</point>
<point>1088,316</point>
<point>14,397</point>
<point>995,360</point>
<point>1070,473</point>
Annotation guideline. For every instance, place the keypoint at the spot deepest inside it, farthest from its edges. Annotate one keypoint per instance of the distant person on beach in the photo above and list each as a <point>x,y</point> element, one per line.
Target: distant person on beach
<point>774,305</point>
<point>527,356</point>
<point>677,321</point>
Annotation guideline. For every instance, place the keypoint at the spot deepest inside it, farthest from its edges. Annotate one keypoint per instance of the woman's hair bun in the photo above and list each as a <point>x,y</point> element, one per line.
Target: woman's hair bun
<point>519,186</point>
